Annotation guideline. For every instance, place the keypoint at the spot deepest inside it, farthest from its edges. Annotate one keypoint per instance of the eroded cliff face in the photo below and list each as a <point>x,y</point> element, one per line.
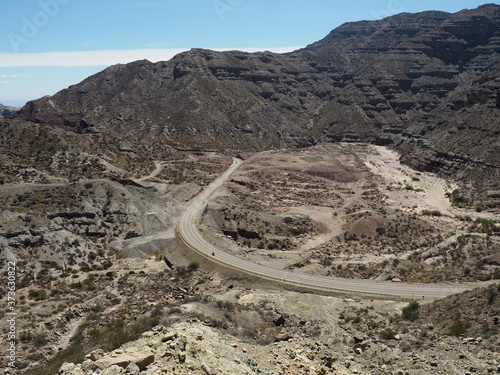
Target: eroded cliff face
<point>428,83</point>
<point>198,99</point>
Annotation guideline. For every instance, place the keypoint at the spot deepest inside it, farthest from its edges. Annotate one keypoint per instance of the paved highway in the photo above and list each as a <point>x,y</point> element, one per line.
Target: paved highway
<point>190,234</point>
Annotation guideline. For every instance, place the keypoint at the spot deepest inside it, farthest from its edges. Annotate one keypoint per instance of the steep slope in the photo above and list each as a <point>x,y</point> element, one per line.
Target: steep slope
<point>428,83</point>
<point>199,98</point>
<point>404,66</point>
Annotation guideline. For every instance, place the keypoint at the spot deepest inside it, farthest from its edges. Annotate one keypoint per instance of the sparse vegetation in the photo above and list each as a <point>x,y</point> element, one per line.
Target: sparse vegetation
<point>387,334</point>
<point>193,266</point>
<point>431,213</point>
<point>411,312</point>
<point>458,328</point>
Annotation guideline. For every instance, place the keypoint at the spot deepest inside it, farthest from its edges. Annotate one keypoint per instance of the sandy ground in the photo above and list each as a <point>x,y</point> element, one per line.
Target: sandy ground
<point>323,215</point>
<point>384,163</point>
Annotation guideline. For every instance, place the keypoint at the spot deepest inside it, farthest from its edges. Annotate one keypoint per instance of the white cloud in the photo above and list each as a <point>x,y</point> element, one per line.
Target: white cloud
<point>104,58</point>
<point>157,45</point>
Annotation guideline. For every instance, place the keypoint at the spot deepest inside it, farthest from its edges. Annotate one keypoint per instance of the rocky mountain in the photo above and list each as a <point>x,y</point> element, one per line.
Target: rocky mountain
<point>426,83</point>
<point>7,111</point>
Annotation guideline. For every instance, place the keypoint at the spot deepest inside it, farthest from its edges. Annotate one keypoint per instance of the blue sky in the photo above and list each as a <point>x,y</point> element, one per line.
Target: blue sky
<point>47,45</point>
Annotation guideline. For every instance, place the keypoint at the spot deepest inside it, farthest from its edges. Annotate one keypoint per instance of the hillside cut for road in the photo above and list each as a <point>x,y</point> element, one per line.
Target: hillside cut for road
<point>426,83</point>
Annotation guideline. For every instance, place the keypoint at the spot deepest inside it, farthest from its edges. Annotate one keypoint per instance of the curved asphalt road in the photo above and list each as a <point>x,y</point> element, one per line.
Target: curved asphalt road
<point>190,234</point>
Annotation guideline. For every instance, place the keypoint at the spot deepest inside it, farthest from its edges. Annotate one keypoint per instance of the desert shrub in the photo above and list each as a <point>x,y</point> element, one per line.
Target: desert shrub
<point>158,255</point>
<point>485,221</point>
<point>326,261</point>
<point>484,277</point>
<point>409,187</point>
<point>26,336</point>
<point>387,334</point>
<point>431,213</point>
<point>411,311</point>
<point>296,231</point>
<point>460,200</point>
<point>491,297</point>
<point>218,323</point>
<point>76,285</point>
<point>131,234</point>
<point>193,266</point>
<point>37,295</point>
<point>175,310</point>
<point>181,271</point>
<point>75,353</point>
<point>40,339</point>
<point>107,264</point>
<point>458,328</point>
<point>157,311</point>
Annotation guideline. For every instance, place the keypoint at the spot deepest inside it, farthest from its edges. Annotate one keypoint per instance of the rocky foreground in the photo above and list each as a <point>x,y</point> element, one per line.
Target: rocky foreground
<point>194,348</point>
<point>307,334</point>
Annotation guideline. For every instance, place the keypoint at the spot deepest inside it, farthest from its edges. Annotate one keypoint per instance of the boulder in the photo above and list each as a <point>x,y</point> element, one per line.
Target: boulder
<point>96,354</point>
<point>279,320</point>
<point>141,358</point>
<point>182,357</point>
<point>70,369</point>
<point>113,370</point>
<point>132,369</point>
<point>405,346</point>
<point>88,366</point>
<point>386,276</point>
<point>206,369</point>
<point>282,337</point>
<point>359,338</point>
